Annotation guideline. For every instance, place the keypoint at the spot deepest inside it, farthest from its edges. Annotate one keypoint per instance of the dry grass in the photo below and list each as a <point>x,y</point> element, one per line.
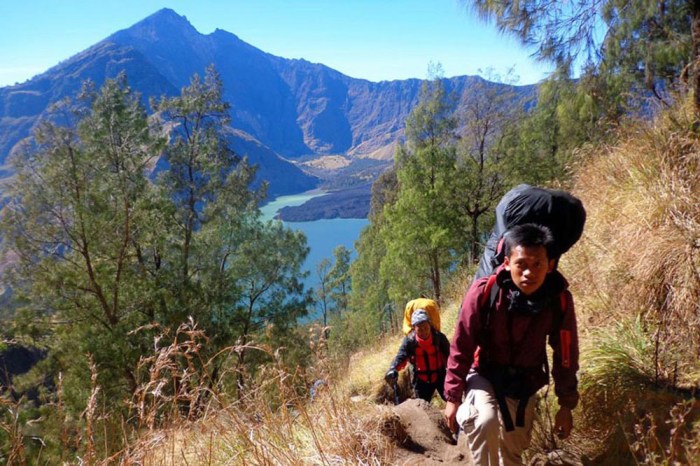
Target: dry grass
<point>343,425</point>
<point>273,423</point>
<point>367,367</point>
<point>640,254</point>
<point>636,280</point>
<point>331,430</point>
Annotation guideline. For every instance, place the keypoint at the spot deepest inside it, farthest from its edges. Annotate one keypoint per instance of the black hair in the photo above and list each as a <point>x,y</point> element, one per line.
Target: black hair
<point>529,235</point>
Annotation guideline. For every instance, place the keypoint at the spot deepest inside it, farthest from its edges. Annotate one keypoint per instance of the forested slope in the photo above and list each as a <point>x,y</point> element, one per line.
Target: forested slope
<point>634,277</point>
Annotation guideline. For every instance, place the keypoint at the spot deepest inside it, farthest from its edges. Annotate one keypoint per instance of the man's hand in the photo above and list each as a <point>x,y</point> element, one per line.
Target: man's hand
<point>451,415</point>
<point>391,376</point>
<point>563,423</point>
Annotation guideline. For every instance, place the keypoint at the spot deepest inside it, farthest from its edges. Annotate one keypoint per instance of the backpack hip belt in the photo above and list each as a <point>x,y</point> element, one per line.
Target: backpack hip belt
<point>511,382</point>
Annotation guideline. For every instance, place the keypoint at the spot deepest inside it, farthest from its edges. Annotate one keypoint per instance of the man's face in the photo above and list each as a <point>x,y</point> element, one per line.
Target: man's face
<point>529,267</point>
<point>423,329</point>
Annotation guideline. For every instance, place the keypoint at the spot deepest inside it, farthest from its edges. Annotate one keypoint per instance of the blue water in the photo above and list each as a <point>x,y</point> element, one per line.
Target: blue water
<point>322,235</point>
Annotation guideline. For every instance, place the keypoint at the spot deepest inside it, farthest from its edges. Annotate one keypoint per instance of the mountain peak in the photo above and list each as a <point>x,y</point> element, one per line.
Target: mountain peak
<point>162,21</point>
<point>166,15</point>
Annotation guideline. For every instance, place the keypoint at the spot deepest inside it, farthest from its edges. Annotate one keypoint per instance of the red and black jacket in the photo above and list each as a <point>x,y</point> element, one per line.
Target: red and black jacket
<point>516,341</point>
<point>429,357</point>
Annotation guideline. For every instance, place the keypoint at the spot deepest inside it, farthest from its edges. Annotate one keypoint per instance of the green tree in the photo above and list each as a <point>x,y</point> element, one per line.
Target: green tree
<point>199,160</point>
<point>419,226</point>
<point>323,291</point>
<point>539,146</point>
<point>654,42</point>
<point>488,110</point>
<point>75,211</point>
<point>368,289</point>
<point>235,274</point>
<point>104,257</point>
<point>340,280</point>
<point>264,269</point>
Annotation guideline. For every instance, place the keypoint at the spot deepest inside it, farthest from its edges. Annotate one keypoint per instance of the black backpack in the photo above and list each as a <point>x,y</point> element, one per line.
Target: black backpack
<point>560,211</point>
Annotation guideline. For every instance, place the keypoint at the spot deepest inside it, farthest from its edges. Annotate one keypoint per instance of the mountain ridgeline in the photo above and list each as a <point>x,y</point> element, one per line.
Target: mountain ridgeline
<point>282,109</point>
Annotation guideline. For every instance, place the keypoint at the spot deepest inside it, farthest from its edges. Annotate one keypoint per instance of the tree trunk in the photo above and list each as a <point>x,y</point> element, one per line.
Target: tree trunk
<point>475,237</point>
<point>435,264</point>
<point>243,340</point>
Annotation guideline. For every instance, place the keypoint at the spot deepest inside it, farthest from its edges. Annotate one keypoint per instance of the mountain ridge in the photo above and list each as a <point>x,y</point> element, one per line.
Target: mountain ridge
<point>293,108</point>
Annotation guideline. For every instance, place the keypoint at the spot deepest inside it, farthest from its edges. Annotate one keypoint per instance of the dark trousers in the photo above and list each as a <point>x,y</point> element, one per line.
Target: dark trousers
<point>425,390</point>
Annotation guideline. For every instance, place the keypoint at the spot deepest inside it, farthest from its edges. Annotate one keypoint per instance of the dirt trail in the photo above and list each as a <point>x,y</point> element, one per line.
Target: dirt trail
<point>427,439</point>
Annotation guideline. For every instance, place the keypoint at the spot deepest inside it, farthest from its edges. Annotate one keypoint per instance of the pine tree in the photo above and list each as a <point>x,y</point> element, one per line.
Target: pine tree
<point>79,205</point>
<point>323,288</point>
<point>489,109</point>
<point>419,224</point>
<point>340,282</point>
<point>654,42</point>
<point>107,256</point>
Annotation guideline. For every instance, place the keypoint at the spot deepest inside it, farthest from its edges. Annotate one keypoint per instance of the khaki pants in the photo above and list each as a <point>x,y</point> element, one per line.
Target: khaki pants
<point>480,418</point>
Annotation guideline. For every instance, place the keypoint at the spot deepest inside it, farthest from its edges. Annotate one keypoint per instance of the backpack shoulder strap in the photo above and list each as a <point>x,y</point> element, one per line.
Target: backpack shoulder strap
<point>487,302</point>
<point>564,335</point>
<point>490,292</point>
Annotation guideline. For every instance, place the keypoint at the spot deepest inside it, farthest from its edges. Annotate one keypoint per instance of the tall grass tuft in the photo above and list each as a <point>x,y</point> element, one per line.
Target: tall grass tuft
<point>636,280</point>
<point>11,426</point>
<point>177,383</point>
<point>275,423</point>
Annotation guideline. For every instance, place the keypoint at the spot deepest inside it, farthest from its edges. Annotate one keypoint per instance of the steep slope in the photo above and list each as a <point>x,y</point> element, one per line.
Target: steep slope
<point>159,55</point>
<point>22,105</point>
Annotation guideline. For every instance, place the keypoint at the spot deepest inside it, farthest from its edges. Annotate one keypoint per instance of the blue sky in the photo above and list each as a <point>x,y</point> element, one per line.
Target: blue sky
<point>370,39</point>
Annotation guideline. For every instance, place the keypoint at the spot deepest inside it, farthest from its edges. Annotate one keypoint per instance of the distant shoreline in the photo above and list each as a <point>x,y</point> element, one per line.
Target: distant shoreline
<point>346,204</point>
<point>271,209</point>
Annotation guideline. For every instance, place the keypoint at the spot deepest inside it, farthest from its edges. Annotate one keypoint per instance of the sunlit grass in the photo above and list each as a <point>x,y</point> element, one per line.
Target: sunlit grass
<point>331,430</point>
<point>635,276</point>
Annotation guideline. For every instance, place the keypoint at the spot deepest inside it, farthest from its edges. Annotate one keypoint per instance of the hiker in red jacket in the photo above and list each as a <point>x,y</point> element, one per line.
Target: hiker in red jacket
<point>427,350</point>
<point>498,357</point>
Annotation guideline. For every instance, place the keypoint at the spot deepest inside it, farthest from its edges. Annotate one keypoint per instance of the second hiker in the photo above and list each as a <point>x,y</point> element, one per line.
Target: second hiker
<point>427,350</point>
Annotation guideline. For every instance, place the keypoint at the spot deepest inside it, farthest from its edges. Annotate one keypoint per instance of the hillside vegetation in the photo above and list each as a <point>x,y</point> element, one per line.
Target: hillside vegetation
<point>635,276</point>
